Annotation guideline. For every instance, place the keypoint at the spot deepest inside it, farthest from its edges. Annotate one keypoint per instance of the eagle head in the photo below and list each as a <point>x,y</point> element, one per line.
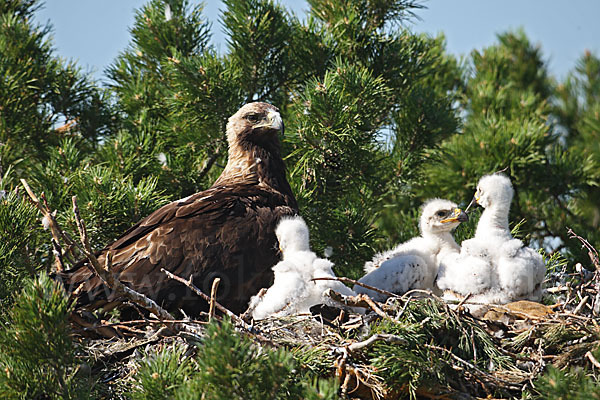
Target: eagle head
<point>292,234</point>
<point>438,215</point>
<point>258,123</point>
<point>494,190</point>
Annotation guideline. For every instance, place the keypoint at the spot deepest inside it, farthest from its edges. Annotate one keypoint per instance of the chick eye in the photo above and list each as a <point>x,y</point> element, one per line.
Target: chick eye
<point>440,213</point>
<point>252,118</point>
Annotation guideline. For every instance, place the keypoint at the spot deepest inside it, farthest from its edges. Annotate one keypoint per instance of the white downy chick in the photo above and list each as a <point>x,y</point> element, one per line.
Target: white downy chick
<point>293,290</point>
<point>414,264</point>
<point>493,266</point>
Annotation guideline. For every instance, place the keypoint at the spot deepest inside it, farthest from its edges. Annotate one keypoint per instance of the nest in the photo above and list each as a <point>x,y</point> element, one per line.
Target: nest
<point>415,345</point>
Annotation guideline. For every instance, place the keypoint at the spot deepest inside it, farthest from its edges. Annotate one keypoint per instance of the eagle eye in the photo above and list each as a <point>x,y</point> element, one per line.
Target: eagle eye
<point>441,213</point>
<point>254,118</point>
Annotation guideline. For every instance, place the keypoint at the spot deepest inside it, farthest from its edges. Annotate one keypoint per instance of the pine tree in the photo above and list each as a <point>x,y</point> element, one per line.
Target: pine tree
<point>577,109</point>
<point>16,218</point>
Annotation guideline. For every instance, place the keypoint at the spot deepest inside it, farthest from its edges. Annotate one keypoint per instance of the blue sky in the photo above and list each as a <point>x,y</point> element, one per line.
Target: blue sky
<point>93,32</point>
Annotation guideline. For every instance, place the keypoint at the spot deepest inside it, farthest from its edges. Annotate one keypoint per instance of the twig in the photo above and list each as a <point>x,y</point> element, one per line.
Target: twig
<point>374,306</point>
<point>340,363</point>
<point>592,252</point>
<point>580,305</point>
<point>144,321</point>
<point>213,297</point>
<point>350,301</point>
<point>108,278</point>
<point>58,254</point>
<point>344,387</point>
<point>388,338</point>
<point>348,280</point>
<point>463,301</point>
<point>57,233</point>
<point>592,359</point>
<point>195,289</point>
<point>428,293</point>
<point>211,160</point>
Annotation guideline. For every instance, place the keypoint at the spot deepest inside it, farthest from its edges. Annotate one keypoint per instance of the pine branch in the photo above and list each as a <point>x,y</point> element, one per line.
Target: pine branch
<point>476,370</point>
<point>211,160</point>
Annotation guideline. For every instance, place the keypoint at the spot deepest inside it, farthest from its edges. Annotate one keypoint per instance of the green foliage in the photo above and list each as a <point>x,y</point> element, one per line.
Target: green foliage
<point>566,385</point>
<point>577,107</point>
<point>227,366</point>
<point>37,356</point>
<point>258,36</point>
<point>427,327</point>
<point>160,374</point>
<point>16,219</point>
<point>138,74</point>
<point>337,160</point>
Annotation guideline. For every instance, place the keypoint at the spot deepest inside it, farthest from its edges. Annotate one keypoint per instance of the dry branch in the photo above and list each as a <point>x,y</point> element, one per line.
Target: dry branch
<point>195,289</point>
<point>388,338</point>
<point>355,282</point>
<point>57,233</point>
<point>350,301</point>
<point>213,298</point>
<point>592,252</point>
<point>592,359</point>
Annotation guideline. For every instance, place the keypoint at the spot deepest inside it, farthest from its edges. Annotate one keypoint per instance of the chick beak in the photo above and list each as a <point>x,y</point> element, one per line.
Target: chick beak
<point>458,216</point>
<point>472,203</point>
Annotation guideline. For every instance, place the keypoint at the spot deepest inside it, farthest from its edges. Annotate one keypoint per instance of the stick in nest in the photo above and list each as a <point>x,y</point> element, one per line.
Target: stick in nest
<point>195,289</point>
<point>386,337</point>
<point>348,280</point>
<point>213,297</point>
<point>361,300</point>
<point>592,359</point>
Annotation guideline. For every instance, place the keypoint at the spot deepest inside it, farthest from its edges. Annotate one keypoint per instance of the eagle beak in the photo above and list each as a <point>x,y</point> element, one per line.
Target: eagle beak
<point>459,216</point>
<point>274,121</point>
<point>472,203</point>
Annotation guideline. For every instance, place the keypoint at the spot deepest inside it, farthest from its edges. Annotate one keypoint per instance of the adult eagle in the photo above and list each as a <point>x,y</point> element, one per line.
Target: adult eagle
<point>226,231</point>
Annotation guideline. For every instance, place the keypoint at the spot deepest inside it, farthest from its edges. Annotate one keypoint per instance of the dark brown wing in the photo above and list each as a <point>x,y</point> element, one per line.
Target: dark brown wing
<point>226,232</point>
